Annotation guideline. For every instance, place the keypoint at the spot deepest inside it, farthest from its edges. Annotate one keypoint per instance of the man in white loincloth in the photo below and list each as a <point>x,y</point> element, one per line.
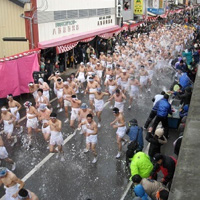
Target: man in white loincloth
<point>143,77</point>
<point>91,135</point>
<point>81,75</point>
<point>56,138</point>
<point>4,155</point>
<point>14,108</point>
<point>32,121</point>
<point>44,117</point>
<point>134,90</point>
<point>41,99</point>
<point>99,103</point>
<point>59,89</point>
<point>119,98</point>
<point>11,182</point>
<point>8,119</point>
<point>75,103</point>
<point>83,112</point>
<point>33,89</point>
<point>120,124</point>
<point>124,81</point>
<point>43,85</point>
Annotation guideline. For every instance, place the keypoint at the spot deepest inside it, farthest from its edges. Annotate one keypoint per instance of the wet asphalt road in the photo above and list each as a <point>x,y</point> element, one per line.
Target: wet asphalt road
<point>77,178</point>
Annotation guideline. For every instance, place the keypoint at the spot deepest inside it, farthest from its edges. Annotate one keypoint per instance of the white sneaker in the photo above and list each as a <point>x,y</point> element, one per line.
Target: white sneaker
<point>118,155</point>
<point>13,166</point>
<point>77,91</point>
<point>129,107</point>
<point>57,155</point>
<point>48,147</point>
<point>94,160</point>
<point>82,91</point>
<point>81,132</point>
<point>62,159</point>
<point>58,106</point>
<point>60,110</point>
<point>66,120</point>
<point>99,125</point>
<point>111,107</point>
<point>149,90</point>
<point>85,150</point>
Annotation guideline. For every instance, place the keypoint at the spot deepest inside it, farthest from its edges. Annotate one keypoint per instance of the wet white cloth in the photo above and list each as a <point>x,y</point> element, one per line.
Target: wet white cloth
<point>91,96</point>
<point>17,115</point>
<point>92,138</point>
<point>8,128</point>
<point>74,115</point>
<point>134,91</point>
<point>10,191</point>
<point>56,138</point>
<point>46,94</point>
<point>119,105</point>
<point>31,123</point>
<point>98,104</point>
<point>121,131</point>
<point>143,80</point>
<point>59,93</point>
<point>3,153</point>
<point>81,77</point>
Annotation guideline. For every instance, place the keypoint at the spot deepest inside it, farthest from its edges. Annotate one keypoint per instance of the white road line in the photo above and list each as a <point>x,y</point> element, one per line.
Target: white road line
<point>130,182</point>
<point>39,165</point>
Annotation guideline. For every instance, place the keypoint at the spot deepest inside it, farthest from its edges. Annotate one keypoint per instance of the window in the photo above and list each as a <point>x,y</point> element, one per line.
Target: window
<point>60,15</point>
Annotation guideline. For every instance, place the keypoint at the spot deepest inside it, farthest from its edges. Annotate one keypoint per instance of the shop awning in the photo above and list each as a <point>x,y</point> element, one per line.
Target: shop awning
<point>78,37</point>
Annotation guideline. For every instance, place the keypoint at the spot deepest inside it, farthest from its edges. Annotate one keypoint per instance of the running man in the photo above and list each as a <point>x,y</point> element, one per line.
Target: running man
<point>91,87</point>
<point>91,135</point>
<point>81,75</point>
<point>99,103</point>
<point>32,121</point>
<point>67,92</point>
<point>41,99</point>
<point>56,135</point>
<point>119,123</point>
<point>59,89</point>
<point>119,98</point>
<point>10,182</point>
<point>8,119</point>
<point>44,116</point>
<point>33,89</point>
<point>143,77</point>
<point>83,112</point>
<point>124,81</point>
<point>14,108</point>
<point>75,103</point>
<point>43,85</point>
<point>54,77</point>
<point>4,155</point>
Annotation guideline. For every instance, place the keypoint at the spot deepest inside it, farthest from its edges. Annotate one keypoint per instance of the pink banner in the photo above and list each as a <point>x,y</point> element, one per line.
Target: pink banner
<point>16,74</point>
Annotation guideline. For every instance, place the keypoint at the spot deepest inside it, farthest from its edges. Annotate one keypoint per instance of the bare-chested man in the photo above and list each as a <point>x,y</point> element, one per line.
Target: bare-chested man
<point>91,87</point>
<point>109,72</point>
<point>91,135</point>
<point>103,59</point>
<point>10,182</point>
<point>124,81</point>
<point>81,76</point>
<point>54,77</point>
<point>99,103</point>
<point>33,89</point>
<point>134,90</point>
<point>67,92</point>
<point>43,85</point>
<point>59,88</point>
<point>99,70</point>
<point>120,124</point>
<point>44,117</point>
<point>75,103</point>
<point>143,77</point>
<point>83,112</point>
<point>119,98</point>
<point>56,137</point>
<point>8,119</point>
<point>89,71</point>
<point>4,155</point>
<point>32,121</point>
<point>24,194</point>
<point>14,108</point>
<point>41,99</point>
<point>73,84</point>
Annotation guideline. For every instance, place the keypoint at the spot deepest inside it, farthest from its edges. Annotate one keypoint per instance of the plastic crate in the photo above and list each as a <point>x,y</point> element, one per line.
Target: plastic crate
<point>173,122</point>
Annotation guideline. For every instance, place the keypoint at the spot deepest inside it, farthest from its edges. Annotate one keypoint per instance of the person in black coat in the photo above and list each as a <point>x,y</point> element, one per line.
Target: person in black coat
<point>156,141</point>
<point>186,96</point>
<point>167,165</point>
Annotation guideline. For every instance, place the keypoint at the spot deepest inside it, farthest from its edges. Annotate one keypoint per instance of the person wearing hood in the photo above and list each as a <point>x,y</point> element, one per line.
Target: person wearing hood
<point>140,192</point>
<point>141,165</point>
<point>184,111</point>
<point>156,141</point>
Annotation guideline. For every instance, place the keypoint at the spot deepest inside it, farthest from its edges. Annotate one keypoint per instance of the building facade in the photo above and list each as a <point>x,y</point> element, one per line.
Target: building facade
<point>12,28</point>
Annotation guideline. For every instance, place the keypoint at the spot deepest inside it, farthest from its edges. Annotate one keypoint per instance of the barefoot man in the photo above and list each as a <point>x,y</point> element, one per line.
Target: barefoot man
<point>8,119</point>
<point>119,123</point>
<point>91,135</point>
<point>14,108</point>
<point>67,92</point>
<point>10,182</point>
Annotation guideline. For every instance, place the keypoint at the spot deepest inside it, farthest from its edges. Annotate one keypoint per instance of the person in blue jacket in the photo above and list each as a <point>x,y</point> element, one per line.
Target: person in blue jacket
<point>184,111</point>
<point>164,108</point>
<point>184,81</point>
<point>134,131</point>
<point>140,192</point>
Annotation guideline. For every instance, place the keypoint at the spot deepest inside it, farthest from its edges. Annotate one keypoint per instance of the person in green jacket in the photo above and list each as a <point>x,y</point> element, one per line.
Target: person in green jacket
<point>141,164</point>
